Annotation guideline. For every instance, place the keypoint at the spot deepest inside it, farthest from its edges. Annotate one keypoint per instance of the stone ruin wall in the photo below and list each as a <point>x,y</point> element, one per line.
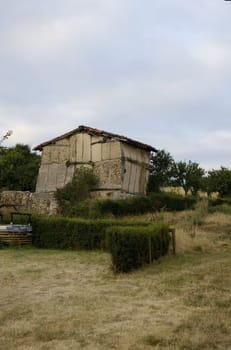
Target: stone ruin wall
<point>41,203</point>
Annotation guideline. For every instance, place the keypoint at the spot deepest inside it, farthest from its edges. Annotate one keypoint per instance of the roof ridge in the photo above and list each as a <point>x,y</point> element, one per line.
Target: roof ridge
<point>95,131</point>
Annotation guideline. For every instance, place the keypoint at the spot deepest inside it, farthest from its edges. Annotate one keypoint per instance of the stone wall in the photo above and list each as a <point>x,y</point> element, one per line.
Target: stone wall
<point>42,203</point>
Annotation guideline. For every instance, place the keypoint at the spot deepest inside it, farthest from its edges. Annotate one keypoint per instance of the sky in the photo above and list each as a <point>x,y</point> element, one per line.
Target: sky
<point>156,71</point>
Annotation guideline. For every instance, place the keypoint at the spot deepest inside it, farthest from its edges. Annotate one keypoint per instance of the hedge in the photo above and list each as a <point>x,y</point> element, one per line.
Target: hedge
<point>66,233</point>
<point>219,201</point>
<point>121,207</point>
<point>131,243</point>
<point>142,204</point>
<point>171,201</point>
<point>132,247</point>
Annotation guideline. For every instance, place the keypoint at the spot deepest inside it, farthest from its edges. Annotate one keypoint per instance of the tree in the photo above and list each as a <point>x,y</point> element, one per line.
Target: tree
<point>219,181</point>
<point>188,176</point>
<point>160,170</point>
<point>18,168</point>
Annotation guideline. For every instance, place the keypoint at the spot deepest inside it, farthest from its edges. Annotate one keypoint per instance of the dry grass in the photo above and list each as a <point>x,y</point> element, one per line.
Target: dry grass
<point>72,300</point>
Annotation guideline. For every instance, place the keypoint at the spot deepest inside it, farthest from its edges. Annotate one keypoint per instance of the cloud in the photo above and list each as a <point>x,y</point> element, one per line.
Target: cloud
<point>34,41</point>
<point>53,30</point>
<point>217,140</point>
<point>155,71</point>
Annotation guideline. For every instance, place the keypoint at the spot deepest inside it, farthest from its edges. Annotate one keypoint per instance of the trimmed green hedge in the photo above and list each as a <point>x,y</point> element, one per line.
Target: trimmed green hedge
<point>66,233</point>
<point>131,243</point>
<point>132,247</point>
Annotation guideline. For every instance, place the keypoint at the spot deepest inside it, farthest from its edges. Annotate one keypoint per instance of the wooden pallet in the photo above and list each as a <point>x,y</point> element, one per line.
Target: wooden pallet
<point>14,238</point>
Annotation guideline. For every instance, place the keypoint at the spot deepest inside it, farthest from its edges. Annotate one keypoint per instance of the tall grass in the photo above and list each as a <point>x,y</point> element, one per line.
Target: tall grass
<point>196,217</point>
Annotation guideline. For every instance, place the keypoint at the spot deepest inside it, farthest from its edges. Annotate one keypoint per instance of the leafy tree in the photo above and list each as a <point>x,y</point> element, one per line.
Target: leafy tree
<point>160,170</point>
<point>189,176</point>
<point>206,185</point>
<point>219,181</point>
<point>18,168</point>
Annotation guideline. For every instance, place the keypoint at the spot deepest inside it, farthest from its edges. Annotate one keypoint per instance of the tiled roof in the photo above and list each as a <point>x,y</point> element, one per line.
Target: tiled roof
<point>96,132</point>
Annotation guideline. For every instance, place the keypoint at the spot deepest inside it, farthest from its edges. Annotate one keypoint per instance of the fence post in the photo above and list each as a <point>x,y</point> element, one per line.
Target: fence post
<point>173,232</point>
<point>150,249</point>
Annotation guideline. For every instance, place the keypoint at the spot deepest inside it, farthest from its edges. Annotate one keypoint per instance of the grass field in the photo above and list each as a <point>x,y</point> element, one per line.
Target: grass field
<point>72,300</point>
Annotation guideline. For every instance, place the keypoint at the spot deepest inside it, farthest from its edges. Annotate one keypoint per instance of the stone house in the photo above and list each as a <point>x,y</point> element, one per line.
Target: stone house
<point>120,163</point>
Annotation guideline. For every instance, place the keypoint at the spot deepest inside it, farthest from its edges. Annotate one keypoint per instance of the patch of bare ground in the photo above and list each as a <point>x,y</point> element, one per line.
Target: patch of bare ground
<point>72,300</point>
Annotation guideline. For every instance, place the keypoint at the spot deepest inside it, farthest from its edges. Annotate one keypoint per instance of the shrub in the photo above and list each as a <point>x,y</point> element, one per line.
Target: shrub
<point>132,247</point>
<point>223,208</point>
<point>121,207</point>
<point>171,201</point>
<point>72,198</point>
<point>65,233</point>
<point>131,243</point>
<point>219,201</point>
<point>138,205</point>
<point>221,205</point>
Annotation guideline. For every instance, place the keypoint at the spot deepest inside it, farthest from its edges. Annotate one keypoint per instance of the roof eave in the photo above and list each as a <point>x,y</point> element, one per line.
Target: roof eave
<point>93,131</point>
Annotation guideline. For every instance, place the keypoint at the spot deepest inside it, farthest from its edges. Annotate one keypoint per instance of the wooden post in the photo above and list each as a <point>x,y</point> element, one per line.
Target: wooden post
<point>173,234</point>
<point>150,249</point>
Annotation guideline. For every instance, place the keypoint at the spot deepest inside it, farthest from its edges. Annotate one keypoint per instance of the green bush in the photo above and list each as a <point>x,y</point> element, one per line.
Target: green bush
<point>171,201</point>
<point>121,207</point>
<point>224,209</point>
<point>138,205</point>
<point>74,196</point>
<point>66,233</point>
<point>132,247</point>
<point>221,205</point>
<point>219,201</point>
<point>131,243</point>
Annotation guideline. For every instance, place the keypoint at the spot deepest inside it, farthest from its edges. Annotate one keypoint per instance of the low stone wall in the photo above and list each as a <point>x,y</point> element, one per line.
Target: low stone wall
<point>41,203</point>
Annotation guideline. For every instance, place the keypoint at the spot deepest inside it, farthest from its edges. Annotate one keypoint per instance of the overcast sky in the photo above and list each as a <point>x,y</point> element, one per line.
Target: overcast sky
<point>157,71</point>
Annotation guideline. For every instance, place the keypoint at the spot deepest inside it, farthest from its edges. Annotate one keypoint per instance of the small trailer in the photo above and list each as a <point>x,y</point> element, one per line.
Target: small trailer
<point>16,234</point>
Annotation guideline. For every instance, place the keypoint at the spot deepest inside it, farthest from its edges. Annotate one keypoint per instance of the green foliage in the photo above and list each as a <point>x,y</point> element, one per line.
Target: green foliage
<point>164,171</point>
<point>160,170</point>
<point>171,201</point>
<point>67,233</point>
<point>218,181</point>
<point>220,201</point>
<point>71,197</point>
<point>188,176</point>
<point>223,208</point>
<point>132,247</point>
<point>221,205</point>
<point>18,168</point>
<point>121,207</point>
<point>141,204</point>
<point>63,233</point>
<point>136,205</point>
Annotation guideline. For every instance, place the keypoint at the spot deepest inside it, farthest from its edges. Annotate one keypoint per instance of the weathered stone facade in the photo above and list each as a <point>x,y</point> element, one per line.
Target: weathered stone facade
<point>120,163</point>
<point>42,203</point>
